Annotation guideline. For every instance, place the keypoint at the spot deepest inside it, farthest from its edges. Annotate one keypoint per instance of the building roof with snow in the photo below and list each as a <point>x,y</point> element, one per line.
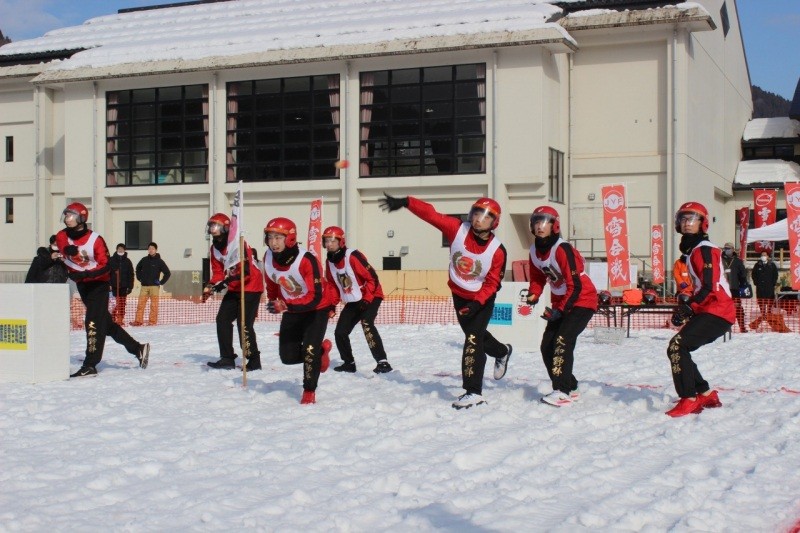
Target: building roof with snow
<point>771,128</point>
<point>766,172</point>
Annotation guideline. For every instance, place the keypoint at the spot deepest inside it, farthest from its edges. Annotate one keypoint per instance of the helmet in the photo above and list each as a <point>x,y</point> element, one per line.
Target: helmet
<point>692,208</point>
<point>547,213</point>
<point>221,219</point>
<point>335,232</point>
<point>650,296</point>
<point>284,226</point>
<point>487,206</point>
<point>604,297</point>
<point>79,210</point>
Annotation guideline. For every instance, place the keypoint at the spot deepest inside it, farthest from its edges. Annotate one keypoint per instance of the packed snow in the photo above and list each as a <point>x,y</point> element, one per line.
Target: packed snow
<point>766,171</point>
<point>179,446</point>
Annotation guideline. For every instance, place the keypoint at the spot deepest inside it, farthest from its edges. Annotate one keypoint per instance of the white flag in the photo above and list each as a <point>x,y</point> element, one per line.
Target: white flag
<point>237,219</point>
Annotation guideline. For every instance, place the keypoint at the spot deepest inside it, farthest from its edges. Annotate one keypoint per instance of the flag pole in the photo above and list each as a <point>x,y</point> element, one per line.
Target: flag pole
<point>242,324</point>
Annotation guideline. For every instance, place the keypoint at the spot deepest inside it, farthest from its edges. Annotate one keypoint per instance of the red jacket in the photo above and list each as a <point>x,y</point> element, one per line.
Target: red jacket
<point>568,278</point>
<point>253,279</point>
<point>93,262</point>
<point>449,226</point>
<point>712,294</point>
<point>366,277</point>
<point>319,295</point>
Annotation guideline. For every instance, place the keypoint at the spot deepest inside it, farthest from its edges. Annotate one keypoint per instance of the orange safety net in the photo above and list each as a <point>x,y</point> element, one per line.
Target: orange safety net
<point>757,315</point>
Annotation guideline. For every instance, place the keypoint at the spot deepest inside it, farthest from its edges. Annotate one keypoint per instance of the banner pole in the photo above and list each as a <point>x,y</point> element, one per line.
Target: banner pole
<point>242,324</point>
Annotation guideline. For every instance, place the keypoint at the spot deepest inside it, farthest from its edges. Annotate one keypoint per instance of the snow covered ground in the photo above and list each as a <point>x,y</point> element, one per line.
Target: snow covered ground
<point>180,447</point>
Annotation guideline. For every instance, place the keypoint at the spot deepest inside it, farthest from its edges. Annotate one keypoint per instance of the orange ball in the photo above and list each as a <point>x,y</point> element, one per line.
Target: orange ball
<point>342,163</point>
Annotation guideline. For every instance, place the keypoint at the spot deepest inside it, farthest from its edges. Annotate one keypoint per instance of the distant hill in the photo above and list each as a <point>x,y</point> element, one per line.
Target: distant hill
<point>767,104</point>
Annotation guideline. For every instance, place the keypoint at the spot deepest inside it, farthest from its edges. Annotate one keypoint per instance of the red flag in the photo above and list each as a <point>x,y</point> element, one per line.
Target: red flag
<point>657,252</point>
<point>615,225</point>
<point>232,258</point>
<point>315,229</point>
<point>744,223</point>
<point>766,203</point>
<point>793,224</point>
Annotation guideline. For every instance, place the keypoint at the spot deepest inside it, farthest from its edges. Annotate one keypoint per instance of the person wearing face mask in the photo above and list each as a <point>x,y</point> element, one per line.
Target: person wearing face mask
<point>765,277</point>
<point>46,267</point>
<point>121,281</point>
<point>736,274</point>
<point>477,266</point>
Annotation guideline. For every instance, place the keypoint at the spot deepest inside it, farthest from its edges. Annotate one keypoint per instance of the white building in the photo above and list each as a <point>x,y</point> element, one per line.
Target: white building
<point>149,117</point>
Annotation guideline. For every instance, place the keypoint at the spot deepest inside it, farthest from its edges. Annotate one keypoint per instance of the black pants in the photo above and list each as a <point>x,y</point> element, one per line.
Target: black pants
<point>478,343</point>
<point>300,341</point>
<point>698,331</point>
<point>349,317</point>
<point>558,347</point>
<point>99,324</point>
<point>230,311</point>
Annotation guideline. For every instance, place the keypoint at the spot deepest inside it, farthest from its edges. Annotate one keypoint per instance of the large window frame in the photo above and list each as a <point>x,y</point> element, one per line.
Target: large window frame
<point>138,234</point>
<point>423,121</point>
<point>157,136</point>
<point>283,129</point>
<point>555,176</point>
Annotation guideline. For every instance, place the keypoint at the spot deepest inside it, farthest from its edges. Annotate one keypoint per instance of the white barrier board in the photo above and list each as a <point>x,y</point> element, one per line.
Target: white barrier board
<point>514,321</point>
<point>34,332</point>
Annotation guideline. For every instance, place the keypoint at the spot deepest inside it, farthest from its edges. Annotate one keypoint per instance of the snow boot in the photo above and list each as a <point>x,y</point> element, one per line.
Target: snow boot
<point>84,371</point>
<point>383,367</point>
<point>254,363</point>
<point>224,363</point>
<point>346,366</point>
<point>326,356</point>
<point>309,396</point>
<point>144,355</point>
<point>686,406</point>
<point>501,364</point>
<point>467,400</point>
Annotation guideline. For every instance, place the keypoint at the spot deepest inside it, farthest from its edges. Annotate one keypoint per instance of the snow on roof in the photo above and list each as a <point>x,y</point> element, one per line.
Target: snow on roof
<point>771,128</point>
<point>252,26</point>
<point>766,171</point>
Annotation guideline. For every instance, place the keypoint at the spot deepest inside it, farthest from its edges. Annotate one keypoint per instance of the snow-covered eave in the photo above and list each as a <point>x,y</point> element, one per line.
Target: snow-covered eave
<point>22,71</point>
<point>693,19</point>
<point>552,37</point>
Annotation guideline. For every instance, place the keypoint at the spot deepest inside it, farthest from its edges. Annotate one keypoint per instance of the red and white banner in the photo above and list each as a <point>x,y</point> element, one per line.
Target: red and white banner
<point>793,223</point>
<point>766,205</point>
<point>657,252</point>
<point>237,214</point>
<point>315,229</point>
<point>744,223</point>
<point>615,226</point>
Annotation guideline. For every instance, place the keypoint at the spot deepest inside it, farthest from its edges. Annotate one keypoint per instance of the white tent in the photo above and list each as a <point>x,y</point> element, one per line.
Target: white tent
<point>778,231</point>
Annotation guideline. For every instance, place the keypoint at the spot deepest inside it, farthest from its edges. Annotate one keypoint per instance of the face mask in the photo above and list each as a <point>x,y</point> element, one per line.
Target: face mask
<point>120,253</point>
<point>763,258</point>
<point>728,252</point>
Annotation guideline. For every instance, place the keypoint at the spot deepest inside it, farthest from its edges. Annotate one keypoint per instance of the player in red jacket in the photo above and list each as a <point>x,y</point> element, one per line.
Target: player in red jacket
<point>222,277</point>
<point>358,287</point>
<point>296,288</point>
<point>573,298</point>
<point>85,255</point>
<point>477,265</point>
<point>705,315</point>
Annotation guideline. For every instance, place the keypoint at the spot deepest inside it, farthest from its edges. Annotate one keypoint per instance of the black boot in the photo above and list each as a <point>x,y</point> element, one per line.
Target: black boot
<point>347,366</point>
<point>224,363</point>
<point>254,363</point>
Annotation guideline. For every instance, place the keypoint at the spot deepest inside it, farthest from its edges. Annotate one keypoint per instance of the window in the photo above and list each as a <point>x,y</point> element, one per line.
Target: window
<point>157,136</point>
<point>138,234</point>
<point>283,129</point>
<point>9,149</point>
<point>9,210</point>
<point>723,15</point>
<point>423,121</point>
<point>464,218</point>
<point>555,178</point>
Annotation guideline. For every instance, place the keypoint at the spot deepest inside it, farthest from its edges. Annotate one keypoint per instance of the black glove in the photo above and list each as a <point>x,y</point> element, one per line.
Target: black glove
<point>390,203</point>
<point>276,307</point>
<point>363,305</point>
<point>70,250</point>
<point>221,286</point>
<point>532,300</point>
<point>80,275</point>
<point>551,315</point>
<point>470,309</point>
<point>678,318</point>
<point>684,306</point>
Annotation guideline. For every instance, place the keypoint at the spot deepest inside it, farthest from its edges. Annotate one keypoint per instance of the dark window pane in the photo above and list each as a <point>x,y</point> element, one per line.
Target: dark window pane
<point>434,74</point>
<point>410,75</point>
<point>297,136</point>
<point>268,120</point>
<point>405,129</point>
<point>172,109</point>
<point>144,95</point>
<point>405,94</point>
<point>144,111</point>
<point>297,153</point>
<point>380,95</point>
<point>194,91</point>
<point>406,111</point>
<point>469,126</point>
<point>268,86</point>
<point>467,89</point>
<point>437,92</point>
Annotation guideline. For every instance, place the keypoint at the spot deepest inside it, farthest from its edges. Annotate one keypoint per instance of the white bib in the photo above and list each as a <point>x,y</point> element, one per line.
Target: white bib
<point>467,269</point>
<point>345,279</point>
<point>291,282</point>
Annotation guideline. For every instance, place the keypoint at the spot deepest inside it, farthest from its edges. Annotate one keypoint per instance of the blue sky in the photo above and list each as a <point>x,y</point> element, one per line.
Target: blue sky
<point>770,29</point>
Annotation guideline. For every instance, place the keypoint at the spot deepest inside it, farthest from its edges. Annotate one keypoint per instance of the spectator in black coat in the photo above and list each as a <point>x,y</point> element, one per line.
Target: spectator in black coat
<point>46,266</point>
<point>152,272</point>
<point>121,281</point>
<point>736,273</point>
<point>765,277</point>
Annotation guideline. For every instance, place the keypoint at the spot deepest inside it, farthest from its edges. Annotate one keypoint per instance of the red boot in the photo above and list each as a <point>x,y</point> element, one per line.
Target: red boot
<point>309,396</point>
<point>686,406</point>
<point>326,356</point>
<point>709,400</point>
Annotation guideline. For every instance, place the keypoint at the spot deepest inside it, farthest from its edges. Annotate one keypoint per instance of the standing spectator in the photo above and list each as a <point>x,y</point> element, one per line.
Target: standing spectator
<point>474,286</point>
<point>358,287</point>
<point>152,272</point>
<point>229,312</point>
<point>296,288</point>
<point>705,316</point>
<point>573,296</point>
<point>736,274</point>
<point>121,281</point>
<point>86,257</point>
<point>765,278</point>
<point>47,266</point>
<point>680,272</point>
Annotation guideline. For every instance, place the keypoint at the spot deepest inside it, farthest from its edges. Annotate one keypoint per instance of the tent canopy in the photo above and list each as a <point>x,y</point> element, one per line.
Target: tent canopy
<point>778,231</point>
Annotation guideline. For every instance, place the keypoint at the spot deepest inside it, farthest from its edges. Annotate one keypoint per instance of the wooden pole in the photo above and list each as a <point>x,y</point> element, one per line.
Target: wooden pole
<point>242,324</point>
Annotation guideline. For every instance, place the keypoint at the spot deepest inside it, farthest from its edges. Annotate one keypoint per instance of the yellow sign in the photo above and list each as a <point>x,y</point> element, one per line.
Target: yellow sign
<point>13,334</point>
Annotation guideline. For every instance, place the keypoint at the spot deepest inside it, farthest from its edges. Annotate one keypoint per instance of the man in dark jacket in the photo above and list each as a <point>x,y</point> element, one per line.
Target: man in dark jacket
<point>46,267</point>
<point>736,273</point>
<point>765,277</point>
<point>121,281</point>
<point>152,272</point>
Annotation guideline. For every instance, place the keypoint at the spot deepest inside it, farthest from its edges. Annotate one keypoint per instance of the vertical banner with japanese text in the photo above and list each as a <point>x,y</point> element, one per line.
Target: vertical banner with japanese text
<point>315,229</point>
<point>793,225</point>
<point>744,223</point>
<point>615,227</point>
<point>765,203</point>
<point>657,253</point>
<point>237,214</point>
